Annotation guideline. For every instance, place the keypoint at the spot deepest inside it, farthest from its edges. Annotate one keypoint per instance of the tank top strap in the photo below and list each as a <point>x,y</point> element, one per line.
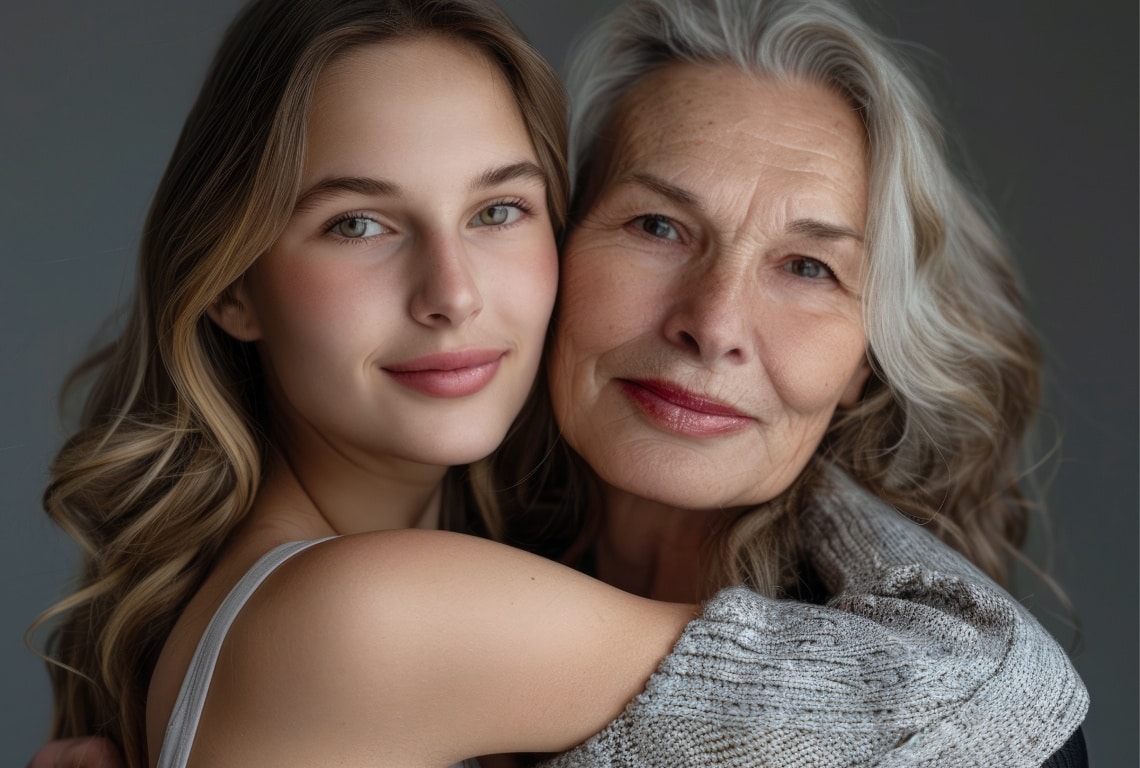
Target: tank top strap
<point>183,723</point>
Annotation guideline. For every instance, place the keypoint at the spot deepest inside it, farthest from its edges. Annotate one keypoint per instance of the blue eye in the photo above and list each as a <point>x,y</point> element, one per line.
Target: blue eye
<point>657,226</point>
<point>808,268</point>
<point>498,215</point>
<point>356,228</point>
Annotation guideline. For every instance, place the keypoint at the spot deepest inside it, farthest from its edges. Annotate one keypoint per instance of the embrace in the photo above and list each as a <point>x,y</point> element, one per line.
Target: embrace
<point>443,432</point>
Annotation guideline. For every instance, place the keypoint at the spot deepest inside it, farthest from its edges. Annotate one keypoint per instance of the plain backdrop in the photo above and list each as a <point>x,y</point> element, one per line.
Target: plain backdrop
<point>1043,95</point>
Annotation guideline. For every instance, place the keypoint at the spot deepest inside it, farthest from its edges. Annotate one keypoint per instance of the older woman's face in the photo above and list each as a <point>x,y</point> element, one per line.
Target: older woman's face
<point>710,317</point>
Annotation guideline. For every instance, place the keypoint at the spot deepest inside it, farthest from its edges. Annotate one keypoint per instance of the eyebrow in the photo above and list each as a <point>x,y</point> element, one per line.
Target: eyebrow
<point>665,189</point>
<point>520,171</point>
<point>821,230</point>
<point>370,187</point>
<point>813,228</point>
<point>361,185</point>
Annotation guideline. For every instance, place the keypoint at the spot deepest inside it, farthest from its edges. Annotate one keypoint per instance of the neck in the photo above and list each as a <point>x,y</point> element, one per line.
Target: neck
<point>351,498</point>
<point>324,491</point>
<point>652,549</point>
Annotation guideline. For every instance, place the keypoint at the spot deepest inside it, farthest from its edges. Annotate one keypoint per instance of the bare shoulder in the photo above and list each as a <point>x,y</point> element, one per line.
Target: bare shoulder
<point>420,647</point>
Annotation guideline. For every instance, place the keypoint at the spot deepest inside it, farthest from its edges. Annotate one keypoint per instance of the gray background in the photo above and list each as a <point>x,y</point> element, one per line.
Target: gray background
<point>1045,96</point>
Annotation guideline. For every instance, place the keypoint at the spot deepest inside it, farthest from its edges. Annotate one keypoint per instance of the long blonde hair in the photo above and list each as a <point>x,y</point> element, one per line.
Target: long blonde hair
<point>169,452</point>
<point>956,367</point>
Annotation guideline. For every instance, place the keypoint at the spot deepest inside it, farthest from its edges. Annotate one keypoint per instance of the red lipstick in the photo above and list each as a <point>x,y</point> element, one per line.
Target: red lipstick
<point>681,411</point>
<point>448,374</point>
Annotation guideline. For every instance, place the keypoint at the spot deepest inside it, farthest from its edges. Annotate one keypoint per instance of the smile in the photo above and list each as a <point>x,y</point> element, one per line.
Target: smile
<point>448,374</point>
<point>682,412</point>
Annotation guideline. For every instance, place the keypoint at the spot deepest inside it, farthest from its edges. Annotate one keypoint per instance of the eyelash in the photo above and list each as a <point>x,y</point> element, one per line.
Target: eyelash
<point>349,216</point>
<point>638,222</point>
<point>512,202</point>
<point>801,259</point>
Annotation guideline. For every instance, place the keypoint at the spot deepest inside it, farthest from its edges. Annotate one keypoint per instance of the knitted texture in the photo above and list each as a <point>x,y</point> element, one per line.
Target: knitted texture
<point>1072,755</point>
<point>918,659</point>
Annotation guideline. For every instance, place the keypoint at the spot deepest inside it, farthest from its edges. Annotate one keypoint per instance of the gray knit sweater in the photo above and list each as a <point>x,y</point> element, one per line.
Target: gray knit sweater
<point>918,659</point>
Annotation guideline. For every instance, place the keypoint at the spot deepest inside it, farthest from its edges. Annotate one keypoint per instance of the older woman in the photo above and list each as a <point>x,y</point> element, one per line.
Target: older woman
<point>721,147</point>
<point>773,275</point>
<point>763,289</point>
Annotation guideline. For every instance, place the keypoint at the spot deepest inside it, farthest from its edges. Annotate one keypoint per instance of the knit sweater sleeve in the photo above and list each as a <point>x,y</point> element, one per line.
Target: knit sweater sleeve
<point>917,660</point>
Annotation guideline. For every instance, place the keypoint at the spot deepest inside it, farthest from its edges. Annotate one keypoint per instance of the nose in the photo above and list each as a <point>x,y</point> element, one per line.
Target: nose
<point>710,317</point>
<point>446,293</point>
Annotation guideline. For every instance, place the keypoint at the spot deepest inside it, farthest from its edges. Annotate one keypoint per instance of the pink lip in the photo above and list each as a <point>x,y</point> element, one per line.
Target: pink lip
<point>681,411</point>
<point>448,374</point>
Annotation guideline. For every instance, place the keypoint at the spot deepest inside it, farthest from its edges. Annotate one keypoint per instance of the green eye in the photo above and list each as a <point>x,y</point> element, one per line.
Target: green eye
<point>356,228</point>
<point>497,215</point>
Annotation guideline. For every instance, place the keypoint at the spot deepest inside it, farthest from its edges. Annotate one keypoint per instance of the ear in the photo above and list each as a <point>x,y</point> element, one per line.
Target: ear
<point>233,312</point>
<point>853,393</point>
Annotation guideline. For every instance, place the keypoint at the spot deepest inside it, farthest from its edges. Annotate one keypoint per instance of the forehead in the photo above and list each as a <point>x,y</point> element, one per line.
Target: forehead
<point>390,98</point>
<point>727,130</point>
<point>403,65</point>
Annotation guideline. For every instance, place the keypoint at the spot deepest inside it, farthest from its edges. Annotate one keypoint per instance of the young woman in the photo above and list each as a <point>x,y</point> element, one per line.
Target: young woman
<point>344,288</point>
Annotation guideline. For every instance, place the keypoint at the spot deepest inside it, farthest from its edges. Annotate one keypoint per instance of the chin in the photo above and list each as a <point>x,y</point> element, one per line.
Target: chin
<point>682,490</point>
<point>687,479</point>
<point>466,449</point>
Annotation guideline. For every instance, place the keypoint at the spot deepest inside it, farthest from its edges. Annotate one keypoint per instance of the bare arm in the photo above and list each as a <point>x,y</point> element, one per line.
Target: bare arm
<point>80,752</point>
<point>422,648</point>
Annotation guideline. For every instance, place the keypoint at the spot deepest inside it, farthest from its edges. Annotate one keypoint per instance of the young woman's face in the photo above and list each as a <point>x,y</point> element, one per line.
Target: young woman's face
<point>709,321</point>
<point>402,311</point>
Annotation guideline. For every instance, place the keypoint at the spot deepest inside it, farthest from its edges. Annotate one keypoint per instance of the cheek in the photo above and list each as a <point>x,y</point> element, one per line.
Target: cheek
<point>811,361</point>
<point>315,298</point>
<point>583,322</point>
<point>543,282</point>
<point>317,314</point>
<point>604,302</point>
<point>522,290</point>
